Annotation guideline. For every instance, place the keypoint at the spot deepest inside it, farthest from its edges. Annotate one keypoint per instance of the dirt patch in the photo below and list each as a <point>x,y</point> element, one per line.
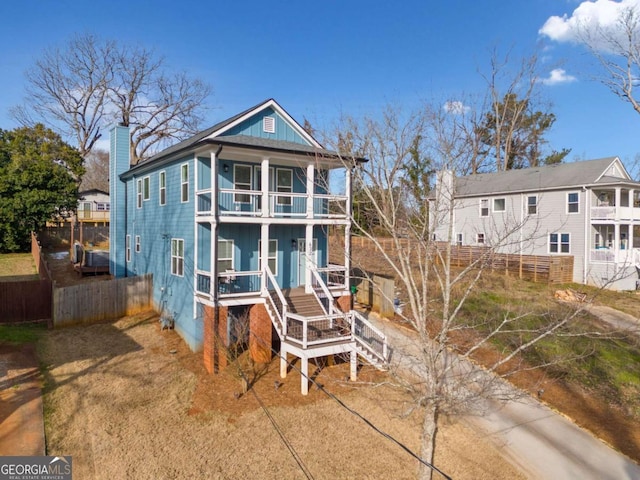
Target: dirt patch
<point>62,271</point>
<point>128,400</point>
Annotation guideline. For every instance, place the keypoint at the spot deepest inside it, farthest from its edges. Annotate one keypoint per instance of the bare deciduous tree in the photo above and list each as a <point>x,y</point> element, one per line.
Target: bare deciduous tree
<point>96,175</point>
<point>90,83</point>
<point>438,138</point>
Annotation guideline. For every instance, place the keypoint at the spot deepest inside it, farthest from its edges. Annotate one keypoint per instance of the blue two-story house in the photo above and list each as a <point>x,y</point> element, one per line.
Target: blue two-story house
<point>233,223</point>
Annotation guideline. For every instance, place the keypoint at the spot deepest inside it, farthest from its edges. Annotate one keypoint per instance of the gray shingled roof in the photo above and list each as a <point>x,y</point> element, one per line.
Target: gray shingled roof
<point>537,178</point>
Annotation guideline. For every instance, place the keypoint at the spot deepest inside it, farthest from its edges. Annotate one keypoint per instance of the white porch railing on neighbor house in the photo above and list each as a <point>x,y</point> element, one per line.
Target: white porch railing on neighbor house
<point>233,202</point>
<point>615,213</point>
<point>608,255</point>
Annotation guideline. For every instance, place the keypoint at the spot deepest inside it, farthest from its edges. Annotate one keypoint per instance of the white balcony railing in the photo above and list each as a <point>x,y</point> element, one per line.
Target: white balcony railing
<point>609,255</point>
<point>615,213</point>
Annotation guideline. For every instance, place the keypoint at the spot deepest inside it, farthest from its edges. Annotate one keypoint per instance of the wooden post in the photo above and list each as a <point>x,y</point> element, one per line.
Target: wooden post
<point>535,268</point>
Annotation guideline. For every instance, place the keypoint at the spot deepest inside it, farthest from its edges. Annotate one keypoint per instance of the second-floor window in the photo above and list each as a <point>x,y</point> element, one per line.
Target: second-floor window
<point>499,204</point>
<point>146,188</point>
<point>103,207</point>
<point>532,205</point>
<point>484,207</point>
<point>139,193</point>
<point>162,187</point>
<point>241,181</point>
<point>184,183</point>
<point>225,255</point>
<point>284,184</point>
<point>573,202</point>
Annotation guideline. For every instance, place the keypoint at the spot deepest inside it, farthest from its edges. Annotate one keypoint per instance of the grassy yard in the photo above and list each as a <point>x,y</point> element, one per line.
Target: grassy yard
<point>21,334</point>
<point>17,266</point>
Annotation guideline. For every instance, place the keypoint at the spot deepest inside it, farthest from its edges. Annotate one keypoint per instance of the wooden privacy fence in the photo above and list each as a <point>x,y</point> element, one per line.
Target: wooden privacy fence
<point>30,300</point>
<point>375,291</point>
<point>101,301</point>
<point>538,268</point>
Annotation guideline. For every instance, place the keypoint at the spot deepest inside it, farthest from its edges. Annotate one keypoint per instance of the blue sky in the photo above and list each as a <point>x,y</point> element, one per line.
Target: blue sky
<point>322,59</point>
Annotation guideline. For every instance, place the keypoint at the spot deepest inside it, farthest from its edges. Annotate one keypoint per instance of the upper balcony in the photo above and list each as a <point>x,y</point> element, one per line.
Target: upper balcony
<point>615,204</point>
<point>234,203</point>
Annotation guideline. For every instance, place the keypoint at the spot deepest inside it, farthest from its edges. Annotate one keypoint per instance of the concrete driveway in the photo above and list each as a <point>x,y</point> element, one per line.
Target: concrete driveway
<point>543,443</point>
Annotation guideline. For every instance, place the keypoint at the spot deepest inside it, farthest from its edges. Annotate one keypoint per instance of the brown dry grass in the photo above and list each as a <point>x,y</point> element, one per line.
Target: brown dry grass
<point>17,266</point>
<point>124,406</point>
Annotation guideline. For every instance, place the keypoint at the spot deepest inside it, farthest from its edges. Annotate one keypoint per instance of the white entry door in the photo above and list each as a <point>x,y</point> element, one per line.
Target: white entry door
<point>302,259</point>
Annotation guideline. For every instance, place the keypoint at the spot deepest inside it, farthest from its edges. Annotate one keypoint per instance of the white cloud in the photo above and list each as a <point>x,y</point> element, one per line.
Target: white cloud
<point>456,107</point>
<point>558,76</point>
<point>588,17</point>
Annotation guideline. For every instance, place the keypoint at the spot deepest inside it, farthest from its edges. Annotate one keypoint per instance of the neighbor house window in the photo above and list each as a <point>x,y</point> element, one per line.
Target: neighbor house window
<point>532,205</point>
<point>480,238</point>
<point>559,243</point>
<point>146,188</point>
<point>284,184</point>
<point>102,207</point>
<point>273,255</point>
<point>139,193</point>
<point>177,257</point>
<point>573,202</point>
<point>225,255</point>
<point>484,207</point>
<point>138,248</point>
<point>242,181</point>
<point>162,187</point>
<point>127,247</point>
<point>499,204</point>
<point>459,239</point>
<point>184,183</point>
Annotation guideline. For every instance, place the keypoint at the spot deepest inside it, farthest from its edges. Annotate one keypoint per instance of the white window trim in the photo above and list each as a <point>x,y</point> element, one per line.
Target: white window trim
<point>146,188</point>
<point>527,205</point>
<point>459,239</point>
<point>233,260</point>
<point>138,246</point>
<point>184,182</point>
<point>484,238</point>
<point>493,205</point>
<point>249,185</point>
<point>269,257</point>
<point>139,193</point>
<point>488,207</point>
<point>559,243</point>
<point>161,189</point>
<point>127,248</point>
<point>285,200</point>
<point>180,258</point>
<point>573,203</point>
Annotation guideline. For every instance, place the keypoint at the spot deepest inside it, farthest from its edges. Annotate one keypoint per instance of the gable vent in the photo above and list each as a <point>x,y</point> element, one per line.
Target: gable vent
<point>269,124</point>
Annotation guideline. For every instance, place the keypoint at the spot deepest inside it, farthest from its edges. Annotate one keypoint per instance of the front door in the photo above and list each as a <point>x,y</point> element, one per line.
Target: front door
<point>302,259</point>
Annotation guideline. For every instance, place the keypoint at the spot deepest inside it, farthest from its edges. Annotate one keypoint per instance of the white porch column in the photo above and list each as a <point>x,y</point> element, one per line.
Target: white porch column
<point>304,375</point>
<point>310,189</point>
<point>616,240</point>
<point>214,226</point>
<point>347,228</point>
<point>264,255</point>
<point>264,180</point>
<point>618,205</point>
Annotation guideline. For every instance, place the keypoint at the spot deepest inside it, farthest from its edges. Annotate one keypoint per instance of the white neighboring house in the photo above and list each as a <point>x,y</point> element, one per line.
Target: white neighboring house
<point>94,206</point>
<point>588,209</point>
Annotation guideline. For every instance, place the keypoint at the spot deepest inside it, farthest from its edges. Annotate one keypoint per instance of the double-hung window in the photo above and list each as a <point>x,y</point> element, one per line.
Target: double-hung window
<point>459,239</point>
<point>284,184</point>
<point>480,238</point>
<point>272,260</point>
<point>225,255</point>
<point>127,247</point>
<point>184,183</point>
<point>162,187</point>
<point>177,257</point>
<point>532,205</point>
<point>138,245</point>
<point>146,188</point>
<point>559,243</point>
<point>484,207</point>
<point>139,193</point>
<point>242,181</point>
<point>573,202</point>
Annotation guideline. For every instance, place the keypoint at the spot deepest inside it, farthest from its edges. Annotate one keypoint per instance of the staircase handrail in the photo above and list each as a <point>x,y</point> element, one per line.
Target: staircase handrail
<point>325,291</point>
<point>282,315</point>
<point>382,338</point>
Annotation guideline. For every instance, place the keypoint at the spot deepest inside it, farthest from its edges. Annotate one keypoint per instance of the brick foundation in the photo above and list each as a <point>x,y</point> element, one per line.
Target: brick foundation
<point>215,339</point>
<point>260,334</point>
